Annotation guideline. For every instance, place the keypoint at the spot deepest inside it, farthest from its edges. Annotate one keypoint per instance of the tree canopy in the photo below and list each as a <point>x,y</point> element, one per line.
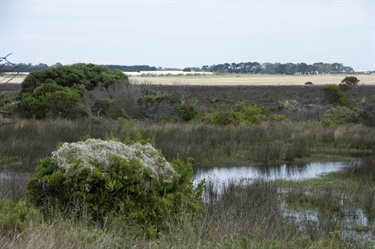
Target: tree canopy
<point>349,81</point>
<point>279,68</point>
<point>56,92</point>
<point>28,67</point>
<point>86,76</point>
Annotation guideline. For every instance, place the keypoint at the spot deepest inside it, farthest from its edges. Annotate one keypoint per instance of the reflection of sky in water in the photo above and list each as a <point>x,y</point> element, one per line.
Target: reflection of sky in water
<point>11,175</point>
<point>293,172</point>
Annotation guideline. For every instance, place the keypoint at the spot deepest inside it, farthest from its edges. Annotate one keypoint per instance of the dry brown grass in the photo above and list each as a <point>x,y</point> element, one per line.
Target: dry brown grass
<point>27,141</point>
<point>16,80</point>
<point>249,79</point>
<point>238,79</point>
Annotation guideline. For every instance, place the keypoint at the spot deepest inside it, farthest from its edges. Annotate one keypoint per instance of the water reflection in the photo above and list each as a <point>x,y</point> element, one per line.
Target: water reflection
<point>285,172</point>
<point>13,185</point>
<point>12,175</point>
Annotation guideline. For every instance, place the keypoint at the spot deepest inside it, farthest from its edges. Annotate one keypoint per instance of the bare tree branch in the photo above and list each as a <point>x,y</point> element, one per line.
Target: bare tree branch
<point>6,123</point>
<point>8,68</point>
<point>9,71</point>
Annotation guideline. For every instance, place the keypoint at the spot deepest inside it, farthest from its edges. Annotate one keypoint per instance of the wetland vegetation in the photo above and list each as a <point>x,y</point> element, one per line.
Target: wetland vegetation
<point>206,127</point>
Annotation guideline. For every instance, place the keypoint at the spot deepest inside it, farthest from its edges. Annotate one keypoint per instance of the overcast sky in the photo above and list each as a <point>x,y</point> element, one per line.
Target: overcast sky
<point>184,33</point>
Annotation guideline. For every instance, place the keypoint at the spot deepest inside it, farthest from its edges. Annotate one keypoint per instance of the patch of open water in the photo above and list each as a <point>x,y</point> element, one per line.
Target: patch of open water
<point>285,172</point>
<point>224,175</point>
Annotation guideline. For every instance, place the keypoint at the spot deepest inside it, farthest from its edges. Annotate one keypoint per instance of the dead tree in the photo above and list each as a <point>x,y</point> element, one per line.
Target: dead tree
<point>8,71</point>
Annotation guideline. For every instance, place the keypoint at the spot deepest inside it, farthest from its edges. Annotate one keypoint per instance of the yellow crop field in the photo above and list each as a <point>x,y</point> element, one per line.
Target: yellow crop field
<point>237,79</point>
<point>249,79</point>
<point>16,80</point>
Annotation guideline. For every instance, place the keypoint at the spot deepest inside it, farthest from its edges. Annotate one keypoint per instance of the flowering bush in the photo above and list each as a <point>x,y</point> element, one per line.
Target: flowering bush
<point>96,153</point>
<point>341,115</point>
<point>100,179</point>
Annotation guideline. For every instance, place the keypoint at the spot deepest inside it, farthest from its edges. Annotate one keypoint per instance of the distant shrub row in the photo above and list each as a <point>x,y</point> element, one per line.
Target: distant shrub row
<point>83,91</point>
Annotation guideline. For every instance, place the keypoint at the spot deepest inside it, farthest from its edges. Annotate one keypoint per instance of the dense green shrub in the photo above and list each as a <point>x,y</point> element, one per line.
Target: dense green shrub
<point>7,102</point>
<point>14,217</point>
<point>186,112</point>
<point>349,82</point>
<point>51,100</point>
<point>56,92</point>
<point>244,113</point>
<point>220,116</point>
<point>86,75</point>
<point>248,114</point>
<point>130,181</point>
<point>341,115</point>
<point>335,95</point>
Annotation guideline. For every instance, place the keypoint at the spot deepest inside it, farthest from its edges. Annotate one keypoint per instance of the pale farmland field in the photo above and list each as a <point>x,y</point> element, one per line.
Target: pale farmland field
<point>236,79</point>
<point>15,80</point>
<point>249,79</point>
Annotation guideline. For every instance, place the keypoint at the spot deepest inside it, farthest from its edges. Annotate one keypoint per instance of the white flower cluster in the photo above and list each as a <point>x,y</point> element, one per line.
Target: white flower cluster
<point>97,153</point>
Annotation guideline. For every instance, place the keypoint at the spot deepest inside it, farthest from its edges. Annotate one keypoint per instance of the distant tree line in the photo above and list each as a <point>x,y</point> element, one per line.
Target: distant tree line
<point>91,91</point>
<point>135,68</point>
<point>94,92</point>
<point>28,67</point>
<point>279,68</point>
<point>242,67</point>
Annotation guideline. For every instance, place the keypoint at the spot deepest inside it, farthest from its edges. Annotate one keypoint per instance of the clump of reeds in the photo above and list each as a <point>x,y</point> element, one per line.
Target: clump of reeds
<point>13,185</point>
<point>247,210</point>
<point>28,141</point>
<point>365,167</point>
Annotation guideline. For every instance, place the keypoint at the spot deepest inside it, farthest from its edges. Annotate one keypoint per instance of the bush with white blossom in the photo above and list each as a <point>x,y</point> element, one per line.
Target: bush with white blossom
<point>131,181</point>
<point>96,153</point>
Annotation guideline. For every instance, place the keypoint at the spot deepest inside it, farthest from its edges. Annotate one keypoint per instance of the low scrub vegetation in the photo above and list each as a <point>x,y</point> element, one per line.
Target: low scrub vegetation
<point>87,91</point>
<point>104,187</point>
<point>26,142</point>
<point>249,214</point>
<point>99,180</point>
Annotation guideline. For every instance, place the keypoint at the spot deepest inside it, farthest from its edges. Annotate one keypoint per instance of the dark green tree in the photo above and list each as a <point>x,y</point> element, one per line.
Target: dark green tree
<point>51,100</point>
<point>349,82</point>
<point>57,91</point>
<point>86,76</point>
<point>140,188</point>
<point>6,105</point>
<point>335,95</point>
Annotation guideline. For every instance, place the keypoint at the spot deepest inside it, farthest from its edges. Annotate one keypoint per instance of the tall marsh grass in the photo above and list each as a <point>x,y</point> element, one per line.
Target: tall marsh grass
<point>249,214</point>
<point>13,185</point>
<point>27,141</point>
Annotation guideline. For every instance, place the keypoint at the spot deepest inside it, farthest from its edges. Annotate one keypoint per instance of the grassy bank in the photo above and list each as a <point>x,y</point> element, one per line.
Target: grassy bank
<point>247,215</point>
<point>26,142</point>
<point>259,215</point>
<point>236,79</point>
<point>248,79</point>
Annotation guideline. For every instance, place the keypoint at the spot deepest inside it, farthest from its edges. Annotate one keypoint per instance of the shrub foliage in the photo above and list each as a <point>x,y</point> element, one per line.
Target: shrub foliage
<point>336,95</point>
<point>56,92</point>
<point>130,181</point>
<point>244,113</point>
<point>83,75</point>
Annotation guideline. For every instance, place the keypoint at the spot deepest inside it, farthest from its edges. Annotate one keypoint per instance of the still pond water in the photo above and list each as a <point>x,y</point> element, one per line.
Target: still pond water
<point>221,176</point>
<point>285,172</point>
